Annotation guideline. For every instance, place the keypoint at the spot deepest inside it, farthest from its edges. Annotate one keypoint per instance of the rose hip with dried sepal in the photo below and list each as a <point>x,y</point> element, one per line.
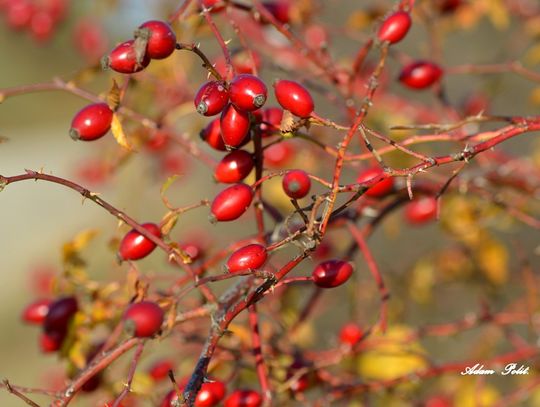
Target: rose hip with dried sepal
<point>135,246</point>
<point>296,184</point>
<point>91,122</point>
<point>332,273</point>
<point>161,39</point>
<point>231,203</point>
<point>211,98</point>
<point>250,257</point>
<point>143,319</point>
<point>124,58</point>
<point>247,92</point>
<point>234,167</point>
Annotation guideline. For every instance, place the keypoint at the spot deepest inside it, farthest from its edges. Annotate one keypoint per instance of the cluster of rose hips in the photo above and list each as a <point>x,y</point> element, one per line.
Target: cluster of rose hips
<point>39,17</point>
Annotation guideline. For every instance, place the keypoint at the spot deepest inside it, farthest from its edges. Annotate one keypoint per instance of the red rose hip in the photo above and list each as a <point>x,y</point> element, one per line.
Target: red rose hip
<point>379,189</point>
<point>296,184</point>
<point>332,273</point>
<point>244,398</point>
<point>210,394</point>
<point>247,92</point>
<point>135,246</point>
<point>294,97</point>
<point>35,312</point>
<point>234,167</point>
<point>51,341</point>
<point>420,74</point>
<point>60,313</point>
<point>91,122</point>
<point>211,98</point>
<point>161,39</point>
<point>395,27</point>
<point>144,318</point>
<point>250,257</point>
<point>160,369</point>
<point>421,210</point>
<point>211,135</point>
<point>231,203</point>
<point>350,334</point>
<point>123,59</point>
<point>234,126</point>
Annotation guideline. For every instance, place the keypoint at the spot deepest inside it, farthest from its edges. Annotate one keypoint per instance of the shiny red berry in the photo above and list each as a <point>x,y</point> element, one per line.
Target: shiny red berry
<point>91,122</point>
<point>234,167</point>
<point>144,319</point>
<point>211,134</point>
<point>210,394</point>
<point>296,184</point>
<point>250,257</point>
<point>248,93</point>
<point>234,126</point>
<point>350,334</point>
<point>160,369</point>
<point>395,27</point>
<point>135,246</point>
<point>270,121</point>
<point>161,39</point>
<point>244,398</point>
<point>421,210</point>
<point>211,98</point>
<point>60,313</point>
<point>420,74</point>
<point>231,203</point>
<point>294,97</point>
<point>379,189</point>
<point>332,273</point>
<point>35,312</point>
<point>51,341</point>
<point>124,58</point>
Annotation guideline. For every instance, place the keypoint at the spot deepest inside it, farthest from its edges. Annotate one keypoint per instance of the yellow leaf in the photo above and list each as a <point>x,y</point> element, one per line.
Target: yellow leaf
<point>118,133</point>
<point>76,355</point>
<point>242,333</point>
<point>113,97</point>
<point>533,55</point>
<point>473,394</point>
<point>492,258</point>
<point>498,14</point>
<point>391,355</point>
<point>79,242</point>
<point>534,96</point>
<point>422,281</point>
<point>170,220</point>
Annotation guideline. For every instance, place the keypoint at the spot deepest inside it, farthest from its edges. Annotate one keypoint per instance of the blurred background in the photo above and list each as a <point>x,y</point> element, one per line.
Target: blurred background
<point>38,218</point>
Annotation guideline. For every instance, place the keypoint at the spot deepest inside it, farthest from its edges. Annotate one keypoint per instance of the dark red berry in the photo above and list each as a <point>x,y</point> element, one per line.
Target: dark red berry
<point>211,98</point>
<point>281,10</point>
<point>250,257</point>
<point>379,189</point>
<point>51,341</point>
<point>125,58</point>
<point>234,167</point>
<point>234,126</point>
<point>91,122</point>
<point>161,39</point>
<point>395,27</point>
<point>211,134</point>
<point>420,74</point>
<point>243,398</point>
<point>247,92</point>
<point>144,318</point>
<point>301,383</point>
<point>160,369</point>
<point>231,203</point>
<point>350,334</point>
<point>270,119</point>
<point>135,246</point>
<point>296,184</point>
<point>294,97</point>
<point>421,210</point>
<point>60,313</point>
<point>35,312</point>
<point>448,6</point>
<point>332,273</point>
